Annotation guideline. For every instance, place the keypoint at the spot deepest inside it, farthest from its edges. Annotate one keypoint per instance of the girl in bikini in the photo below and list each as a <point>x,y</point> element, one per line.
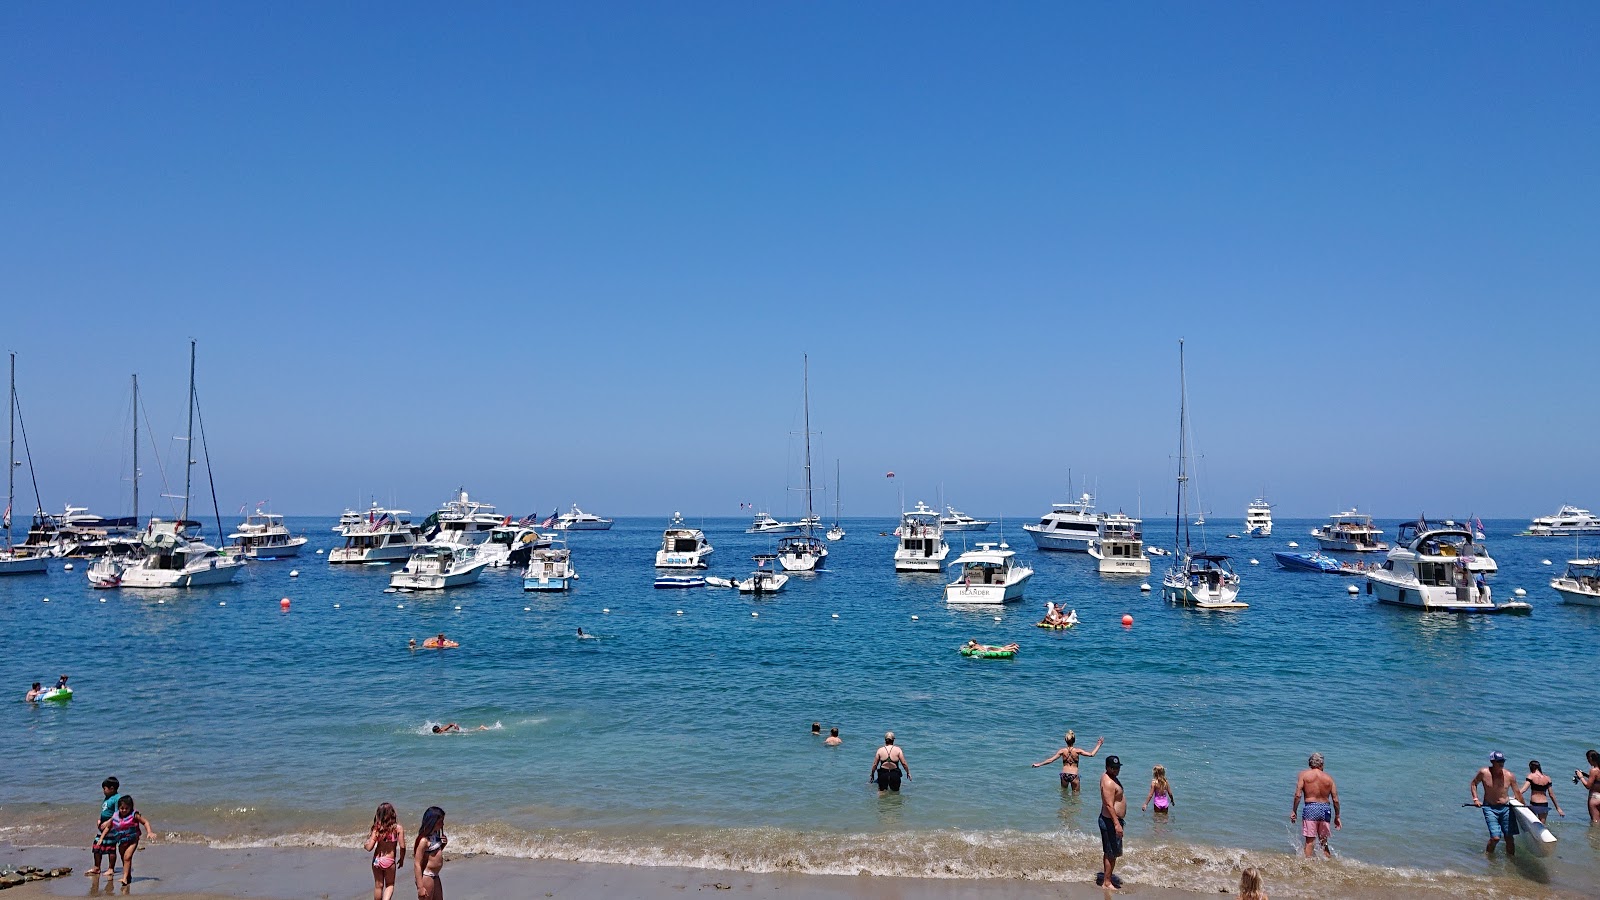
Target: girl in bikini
<point>386,841</point>
<point>428,853</point>
<point>1591,783</point>
<point>1160,791</point>
<point>120,834</point>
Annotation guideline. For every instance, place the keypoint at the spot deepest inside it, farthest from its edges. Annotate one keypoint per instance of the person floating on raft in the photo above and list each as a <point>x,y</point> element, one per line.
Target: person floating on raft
<point>439,643</point>
<point>973,648</point>
<point>1054,619</point>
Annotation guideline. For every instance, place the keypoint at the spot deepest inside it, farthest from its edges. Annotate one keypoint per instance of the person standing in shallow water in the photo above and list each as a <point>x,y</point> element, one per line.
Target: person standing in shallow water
<point>1541,792</point>
<point>1113,815</point>
<point>1321,797</point>
<point>1069,756</point>
<point>1498,786</point>
<point>887,765</point>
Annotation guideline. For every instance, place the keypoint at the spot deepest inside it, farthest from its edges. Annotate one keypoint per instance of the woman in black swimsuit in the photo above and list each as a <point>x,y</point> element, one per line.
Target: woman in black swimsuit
<point>1540,795</point>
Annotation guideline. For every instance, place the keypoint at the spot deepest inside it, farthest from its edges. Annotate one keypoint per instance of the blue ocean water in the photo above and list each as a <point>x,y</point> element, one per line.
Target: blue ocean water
<point>684,738</point>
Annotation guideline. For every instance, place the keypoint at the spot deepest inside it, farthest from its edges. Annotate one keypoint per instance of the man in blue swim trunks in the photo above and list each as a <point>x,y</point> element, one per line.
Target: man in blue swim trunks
<point>1498,786</point>
<point>1113,815</point>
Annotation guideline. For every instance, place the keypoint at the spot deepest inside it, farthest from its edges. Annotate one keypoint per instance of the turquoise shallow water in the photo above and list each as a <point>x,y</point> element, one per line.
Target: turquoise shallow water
<point>684,739</point>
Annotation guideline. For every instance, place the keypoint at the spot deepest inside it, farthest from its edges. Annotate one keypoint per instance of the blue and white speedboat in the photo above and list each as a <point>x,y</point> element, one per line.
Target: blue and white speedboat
<point>1315,561</point>
<point>680,581</point>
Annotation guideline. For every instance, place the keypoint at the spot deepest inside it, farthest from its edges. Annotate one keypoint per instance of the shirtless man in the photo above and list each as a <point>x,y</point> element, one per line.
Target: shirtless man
<point>1113,815</point>
<point>887,764</point>
<point>34,692</point>
<point>1069,760</point>
<point>833,739</point>
<point>1321,796</point>
<point>1498,787</point>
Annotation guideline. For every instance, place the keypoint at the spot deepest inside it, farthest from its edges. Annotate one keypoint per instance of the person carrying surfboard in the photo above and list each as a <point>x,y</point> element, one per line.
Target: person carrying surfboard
<point>1321,798</point>
<point>1498,788</point>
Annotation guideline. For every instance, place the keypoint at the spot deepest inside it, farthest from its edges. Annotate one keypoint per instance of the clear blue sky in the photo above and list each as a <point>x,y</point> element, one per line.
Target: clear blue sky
<point>565,252</point>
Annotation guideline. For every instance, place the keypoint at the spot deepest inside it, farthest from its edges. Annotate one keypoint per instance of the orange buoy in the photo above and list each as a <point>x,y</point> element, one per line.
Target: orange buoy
<point>284,603</point>
<point>1127,621</point>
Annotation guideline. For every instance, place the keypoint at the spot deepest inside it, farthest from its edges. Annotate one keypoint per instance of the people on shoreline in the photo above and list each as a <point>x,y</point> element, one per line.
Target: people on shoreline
<point>1113,816</point>
<point>1591,783</point>
<point>427,853</point>
<point>888,764</point>
<point>1321,797</point>
<point>33,693</point>
<point>1250,886</point>
<point>832,740</point>
<point>1069,756</point>
<point>1161,794</point>
<point>1498,787</point>
<point>120,834</point>
<point>1541,792</point>
<point>386,842</point>
<point>109,790</point>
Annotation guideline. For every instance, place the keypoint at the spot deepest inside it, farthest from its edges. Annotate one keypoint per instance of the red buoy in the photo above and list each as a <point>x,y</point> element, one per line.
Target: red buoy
<point>1127,621</point>
<point>284,603</point>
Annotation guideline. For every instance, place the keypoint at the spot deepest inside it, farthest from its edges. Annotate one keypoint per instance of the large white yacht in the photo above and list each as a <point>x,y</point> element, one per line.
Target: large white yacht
<point>764,523</point>
<point>956,520</point>
<point>1434,569</point>
<point>434,567</point>
<point>550,569</point>
<point>173,558</point>
<point>922,547</point>
<point>1350,531</point>
<point>578,520</point>
<point>78,533</point>
<point>1119,549</point>
<point>350,518</point>
<point>1580,584</point>
<point>1568,520</point>
<point>380,535</point>
<point>1068,526</point>
<point>1258,518</point>
<point>262,535</point>
<point>682,546</point>
<point>988,575</point>
<point>462,521</point>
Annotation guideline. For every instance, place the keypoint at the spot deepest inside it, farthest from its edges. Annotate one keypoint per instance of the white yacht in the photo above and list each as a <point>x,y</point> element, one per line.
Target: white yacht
<point>434,567</point>
<point>1258,518</point>
<point>578,520</point>
<point>766,579</point>
<point>1580,584</point>
<point>682,546</point>
<point>956,520</point>
<point>550,569</point>
<point>350,518</point>
<point>764,523</point>
<point>922,547</point>
<point>1568,520</point>
<point>1119,549</point>
<point>1434,569</point>
<point>16,560</point>
<point>380,535</point>
<point>172,559</point>
<point>989,575</point>
<point>1068,526</point>
<point>1202,580</point>
<point>262,535</point>
<point>462,521</point>
<point>1350,531</point>
<point>510,544</point>
<point>78,533</point>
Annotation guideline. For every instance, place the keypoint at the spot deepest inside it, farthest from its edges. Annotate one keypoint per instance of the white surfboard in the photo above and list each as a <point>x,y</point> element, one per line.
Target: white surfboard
<point>1530,825</point>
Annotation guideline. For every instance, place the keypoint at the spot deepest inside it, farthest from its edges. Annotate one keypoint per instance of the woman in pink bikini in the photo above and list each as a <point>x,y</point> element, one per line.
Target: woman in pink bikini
<point>386,841</point>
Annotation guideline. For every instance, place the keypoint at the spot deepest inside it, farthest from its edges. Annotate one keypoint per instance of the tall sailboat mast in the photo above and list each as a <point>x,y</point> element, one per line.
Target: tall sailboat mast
<point>805,392</point>
<point>188,448</point>
<point>11,451</point>
<point>136,449</point>
<point>1180,526</point>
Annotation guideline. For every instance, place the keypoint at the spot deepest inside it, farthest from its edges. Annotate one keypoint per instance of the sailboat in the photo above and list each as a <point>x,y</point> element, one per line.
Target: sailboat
<point>16,560</point>
<point>1202,580</point>
<point>804,552</point>
<point>836,533</point>
<point>173,557</point>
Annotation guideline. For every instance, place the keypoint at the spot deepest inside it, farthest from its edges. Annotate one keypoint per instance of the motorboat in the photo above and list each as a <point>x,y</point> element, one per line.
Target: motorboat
<point>1351,532</point>
<point>578,520</point>
<point>173,557</point>
<point>767,577</point>
<point>1580,584</point>
<point>435,567</point>
<point>79,534</point>
<point>1568,520</point>
<point>1198,579</point>
<point>805,552</point>
<point>1119,548</point>
<point>1068,526</point>
<point>956,520</point>
<point>764,523</point>
<point>549,569</point>
<point>262,535</point>
<point>1432,569</point>
<point>510,544</point>
<point>921,546</point>
<point>1315,561</point>
<point>380,535</point>
<point>16,560</point>
<point>682,546</point>
<point>988,575</point>
<point>680,581</point>
<point>1258,518</point>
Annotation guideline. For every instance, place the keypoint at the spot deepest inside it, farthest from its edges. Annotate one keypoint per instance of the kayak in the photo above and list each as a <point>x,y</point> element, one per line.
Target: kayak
<point>1528,822</point>
<point>988,654</point>
<point>59,695</point>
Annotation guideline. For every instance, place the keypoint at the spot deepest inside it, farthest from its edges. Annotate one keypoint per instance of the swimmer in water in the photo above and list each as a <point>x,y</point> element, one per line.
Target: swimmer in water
<point>34,692</point>
<point>453,728</point>
<point>411,644</point>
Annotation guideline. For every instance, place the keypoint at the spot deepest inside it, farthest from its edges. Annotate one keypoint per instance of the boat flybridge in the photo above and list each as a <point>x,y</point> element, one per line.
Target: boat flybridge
<point>922,547</point>
<point>767,577</point>
<point>378,536</point>
<point>349,518</point>
<point>578,520</point>
<point>435,567</point>
<point>956,520</point>
<point>262,535</point>
<point>550,569</point>
<point>1350,531</point>
<point>1568,520</point>
<point>1119,549</point>
<point>1580,584</point>
<point>988,575</point>
<point>1068,526</point>
<point>462,521</point>
<point>1258,518</point>
<point>682,546</point>
<point>1433,569</point>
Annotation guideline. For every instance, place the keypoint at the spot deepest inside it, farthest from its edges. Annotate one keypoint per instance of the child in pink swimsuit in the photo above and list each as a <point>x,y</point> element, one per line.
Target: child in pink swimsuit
<point>1160,795</point>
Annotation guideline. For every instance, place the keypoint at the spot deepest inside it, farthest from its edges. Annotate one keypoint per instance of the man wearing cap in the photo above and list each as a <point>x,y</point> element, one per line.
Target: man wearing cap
<point>1113,815</point>
<point>1498,786</point>
<point>887,764</point>
<point>1322,805</point>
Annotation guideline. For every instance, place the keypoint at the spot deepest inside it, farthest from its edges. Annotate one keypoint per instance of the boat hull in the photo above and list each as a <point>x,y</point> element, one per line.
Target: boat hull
<point>1116,565</point>
<point>1571,593</point>
<point>1429,598</point>
<point>137,577</point>
<point>287,549</point>
<point>24,565</point>
<point>959,594</point>
<point>1068,542</point>
<point>546,584</point>
<point>963,526</point>
<point>359,555</point>
<point>920,563</point>
<point>1179,592</point>
<point>665,560</point>
<point>583,526</point>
